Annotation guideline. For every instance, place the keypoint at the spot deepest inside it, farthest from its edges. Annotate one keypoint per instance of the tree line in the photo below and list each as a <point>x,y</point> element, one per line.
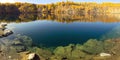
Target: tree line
<point>68,7</point>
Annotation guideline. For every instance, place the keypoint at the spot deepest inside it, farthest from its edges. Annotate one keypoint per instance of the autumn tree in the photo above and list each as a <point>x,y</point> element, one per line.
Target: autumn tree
<point>28,8</point>
<point>11,8</point>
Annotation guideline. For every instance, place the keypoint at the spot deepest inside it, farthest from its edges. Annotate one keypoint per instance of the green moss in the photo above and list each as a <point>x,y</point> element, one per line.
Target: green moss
<point>87,51</point>
<point>60,51</point>
<point>41,52</point>
<point>78,54</point>
<point>93,46</point>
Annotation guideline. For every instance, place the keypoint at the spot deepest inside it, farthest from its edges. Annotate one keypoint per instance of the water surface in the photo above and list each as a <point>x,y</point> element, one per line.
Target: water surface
<point>49,33</point>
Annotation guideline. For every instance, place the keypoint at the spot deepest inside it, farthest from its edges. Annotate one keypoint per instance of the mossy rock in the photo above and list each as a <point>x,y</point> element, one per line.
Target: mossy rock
<point>41,52</point>
<point>93,46</point>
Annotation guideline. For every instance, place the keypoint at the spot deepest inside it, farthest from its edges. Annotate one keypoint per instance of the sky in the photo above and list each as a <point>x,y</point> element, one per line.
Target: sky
<point>53,1</point>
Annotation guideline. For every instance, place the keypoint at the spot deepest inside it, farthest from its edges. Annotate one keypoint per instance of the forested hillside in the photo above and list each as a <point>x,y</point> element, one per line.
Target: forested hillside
<point>61,8</point>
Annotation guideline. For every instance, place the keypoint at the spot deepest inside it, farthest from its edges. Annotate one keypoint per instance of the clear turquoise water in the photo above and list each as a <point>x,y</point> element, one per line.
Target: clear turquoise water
<point>50,33</point>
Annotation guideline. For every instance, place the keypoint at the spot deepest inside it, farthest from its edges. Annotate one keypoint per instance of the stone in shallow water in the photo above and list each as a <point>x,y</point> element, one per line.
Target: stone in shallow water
<point>9,57</point>
<point>4,31</point>
<point>3,24</point>
<point>104,54</point>
<point>7,32</point>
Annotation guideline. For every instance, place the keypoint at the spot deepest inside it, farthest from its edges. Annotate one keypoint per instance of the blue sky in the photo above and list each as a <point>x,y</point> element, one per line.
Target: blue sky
<point>53,1</point>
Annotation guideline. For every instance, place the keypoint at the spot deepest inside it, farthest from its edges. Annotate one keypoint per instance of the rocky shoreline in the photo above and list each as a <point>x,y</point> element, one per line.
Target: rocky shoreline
<point>21,48</point>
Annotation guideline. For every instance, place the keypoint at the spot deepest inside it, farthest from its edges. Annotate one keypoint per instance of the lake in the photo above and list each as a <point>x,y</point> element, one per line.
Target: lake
<point>58,32</point>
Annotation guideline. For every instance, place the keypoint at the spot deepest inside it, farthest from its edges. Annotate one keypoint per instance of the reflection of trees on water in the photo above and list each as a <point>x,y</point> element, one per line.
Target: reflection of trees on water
<point>107,18</point>
<point>9,17</point>
<point>27,17</point>
<point>114,33</point>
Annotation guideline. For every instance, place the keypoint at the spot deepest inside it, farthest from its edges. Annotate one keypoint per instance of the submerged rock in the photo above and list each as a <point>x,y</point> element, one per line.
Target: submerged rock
<point>10,49</point>
<point>16,42</point>
<point>104,54</point>
<point>19,48</point>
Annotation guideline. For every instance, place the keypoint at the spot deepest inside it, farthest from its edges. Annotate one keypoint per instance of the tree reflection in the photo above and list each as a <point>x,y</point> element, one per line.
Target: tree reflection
<point>27,17</point>
<point>68,18</point>
<point>9,17</point>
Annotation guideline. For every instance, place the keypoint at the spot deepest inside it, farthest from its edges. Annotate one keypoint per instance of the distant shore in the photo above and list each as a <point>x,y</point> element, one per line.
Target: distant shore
<point>60,8</point>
